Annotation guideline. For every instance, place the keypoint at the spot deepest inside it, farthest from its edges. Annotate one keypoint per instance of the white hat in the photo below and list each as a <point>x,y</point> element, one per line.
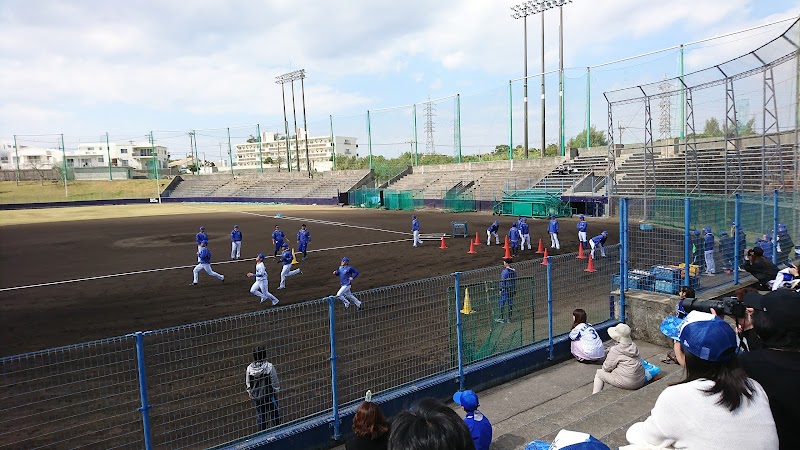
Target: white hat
<point>620,333</point>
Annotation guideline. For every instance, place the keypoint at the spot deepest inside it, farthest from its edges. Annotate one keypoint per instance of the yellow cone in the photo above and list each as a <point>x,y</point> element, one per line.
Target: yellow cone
<point>294,258</point>
<point>467,303</point>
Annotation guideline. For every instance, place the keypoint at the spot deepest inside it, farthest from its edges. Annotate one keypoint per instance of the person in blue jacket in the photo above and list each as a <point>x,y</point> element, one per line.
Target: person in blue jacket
<point>303,238</point>
<point>708,251</point>
<point>514,237</point>
<point>492,231</point>
<point>525,230</point>
<point>552,228</point>
<point>784,246</point>
<point>236,243</point>
<point>204,263</point>
<point>726,250</point>
<point>508,288</point>
<point>597,242</point>
<point>278,238</point>
<point>768,246</point>
<point>200,238</point>
<point>583,227</point>
<point>346,275</point>
<point>415,230</point>
<point>479,426</point>
<point>286,261</point>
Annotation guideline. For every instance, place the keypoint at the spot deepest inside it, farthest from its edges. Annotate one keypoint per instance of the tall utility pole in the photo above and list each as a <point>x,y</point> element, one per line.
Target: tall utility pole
<point>291,77</point>
<point>522,11</point>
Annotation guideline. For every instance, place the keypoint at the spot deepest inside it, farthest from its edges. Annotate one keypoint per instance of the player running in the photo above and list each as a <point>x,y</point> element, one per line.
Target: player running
<point>303,238</point>
<point>200,238</point>
<point>259,288</point>
<point>346,275</point>
<point>204,258</point>
<point>286,260</point>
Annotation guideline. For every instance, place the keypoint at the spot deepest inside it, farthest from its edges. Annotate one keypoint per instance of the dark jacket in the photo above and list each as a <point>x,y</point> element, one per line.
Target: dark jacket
<point>762,269</point>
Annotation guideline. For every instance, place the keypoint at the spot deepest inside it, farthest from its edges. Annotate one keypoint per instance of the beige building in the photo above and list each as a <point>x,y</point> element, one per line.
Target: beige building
<point>272,150</point>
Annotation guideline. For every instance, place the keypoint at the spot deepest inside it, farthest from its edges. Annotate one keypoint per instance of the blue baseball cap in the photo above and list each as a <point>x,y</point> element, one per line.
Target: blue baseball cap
<point>696,232</point>
<point>702,334</point>
<point>236,226</point>
<point>604,233</point>
<point>581,216</point>
<point>468,399</point>
<point>202,228</point>
<point>261,255</point>
<point>413,216</point>
<point>285,245</point>
<point>346,259</point>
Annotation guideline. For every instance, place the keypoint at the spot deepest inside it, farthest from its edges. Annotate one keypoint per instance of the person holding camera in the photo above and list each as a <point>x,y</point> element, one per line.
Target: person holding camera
<point>776,366</point>
<point>760,267</point>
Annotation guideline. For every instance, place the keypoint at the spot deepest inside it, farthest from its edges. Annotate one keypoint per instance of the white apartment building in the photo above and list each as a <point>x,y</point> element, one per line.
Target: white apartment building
<point>25,157</point>
<point>138,156</point>
<point>273,148</point>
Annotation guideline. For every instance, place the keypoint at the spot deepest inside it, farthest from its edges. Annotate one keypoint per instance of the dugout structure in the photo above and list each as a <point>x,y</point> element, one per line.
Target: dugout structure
<point>538,203</point>
<point>482,335</point>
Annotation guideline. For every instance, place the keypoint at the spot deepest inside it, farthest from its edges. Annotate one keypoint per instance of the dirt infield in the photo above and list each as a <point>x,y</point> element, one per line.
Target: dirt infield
<point>62,314</point>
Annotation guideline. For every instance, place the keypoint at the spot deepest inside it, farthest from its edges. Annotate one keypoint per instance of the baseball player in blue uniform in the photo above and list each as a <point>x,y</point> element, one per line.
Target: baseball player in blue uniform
<point>768,246</point>
<point>708,251</point>
<point>204,263</point>
<point>278,239</point>
<point>597,242</point>
<point>508,287</point>
<point>236,243</point>
<point>583,227</point>
<point>492,231</point>
<point>514,237</point>
<point>516,222</point>
<point>259,287</point>
<point>525,230</point>
<point>346,274</point>
<point>552,228</point>
<point>200,238</point>
<point>415,230</point>
<point>303,238</point>
<point>286,260</point>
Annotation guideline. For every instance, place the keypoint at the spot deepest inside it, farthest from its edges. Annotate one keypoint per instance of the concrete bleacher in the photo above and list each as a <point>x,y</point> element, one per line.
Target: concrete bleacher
<point>573,171</point>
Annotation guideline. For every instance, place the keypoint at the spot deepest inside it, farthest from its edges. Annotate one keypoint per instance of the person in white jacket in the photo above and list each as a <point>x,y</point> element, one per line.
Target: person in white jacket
<point>623,366</point>
<point>262,384</point>
<point>586,345</point>
<point>717,406</point>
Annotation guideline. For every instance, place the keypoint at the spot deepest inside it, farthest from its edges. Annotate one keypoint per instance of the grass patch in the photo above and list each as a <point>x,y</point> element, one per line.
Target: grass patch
<point>35,191</point>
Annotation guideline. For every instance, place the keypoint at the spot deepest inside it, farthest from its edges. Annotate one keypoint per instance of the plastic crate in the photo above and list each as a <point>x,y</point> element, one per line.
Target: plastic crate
<point>694,271</point>
<point>667,287</point>
<point>641,281</point>
<point>666,273</point>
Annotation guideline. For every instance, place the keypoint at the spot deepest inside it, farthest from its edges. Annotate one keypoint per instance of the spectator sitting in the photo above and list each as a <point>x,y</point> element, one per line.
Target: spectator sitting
<point>760,267</point>
<point>429,425</point>
<point>787,278</point>
<point>478,424</point>
<point>370,427</point>
<point>586,345</point>
<point>776,366</point>
<point>717,406</point>
<point>623,366</point>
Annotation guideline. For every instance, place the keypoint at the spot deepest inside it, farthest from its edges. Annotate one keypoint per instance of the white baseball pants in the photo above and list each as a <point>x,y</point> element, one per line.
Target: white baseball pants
<point>554,241</point>
<point>417,240</point>
<point>489,235</point>
<point>710,265</point>
<point>259,289</point>
<point>582,236</point>
<point>347,297</point>
<point>596,245</point>
<point>236,249</point>
<point>287,272</point>
<point>207,268</point>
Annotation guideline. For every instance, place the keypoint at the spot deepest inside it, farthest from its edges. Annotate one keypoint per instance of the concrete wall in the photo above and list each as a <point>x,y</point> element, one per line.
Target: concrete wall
<point>510,165</point>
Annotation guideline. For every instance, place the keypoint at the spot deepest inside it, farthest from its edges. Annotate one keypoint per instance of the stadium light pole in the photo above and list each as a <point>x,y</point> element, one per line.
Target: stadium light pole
<point>291,77</point>
<point>522,11</point>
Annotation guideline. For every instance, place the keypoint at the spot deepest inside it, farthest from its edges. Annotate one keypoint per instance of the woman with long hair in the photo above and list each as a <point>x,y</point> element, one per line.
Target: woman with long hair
<point>370,427</point>
<point>716,406</point>
<point>586,345</point>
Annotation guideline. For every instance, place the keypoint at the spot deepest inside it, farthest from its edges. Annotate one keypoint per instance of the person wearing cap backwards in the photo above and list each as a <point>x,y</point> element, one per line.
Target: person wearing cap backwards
<point>583,227</point>
<point>303,238</point>
<point>492,231</point>
<point>259,287</point>
<point>236,243</point>
<point>552,228</point>
<point>286,261</point>
<point>200,238</point>
<point>479,426</point>
<point>415,230</point>
<point>597,242</point>
<point>623,366</point>
<point>346,274</point>
<point>716,406</point>
<point>776,366</point>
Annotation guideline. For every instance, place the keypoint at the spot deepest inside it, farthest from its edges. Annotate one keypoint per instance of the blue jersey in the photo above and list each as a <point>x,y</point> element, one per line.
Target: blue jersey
<point>525,228</point>
<point>552,227</point>
<point>508,279</point>
<point>278,236</point>
<point>480,429</point>
<point>204,255</point>
<point>708,242</point>
<point>493,227</point>
<point>513,234</point>
<point>768,248</point>
<point>303,236</point>
<point>236,236</point>
<point>201,237</point>
<point>415,225</point>
<point>583,226</point>
<point>345,273</point>
<point>286,257</point>
<point>599,239</point>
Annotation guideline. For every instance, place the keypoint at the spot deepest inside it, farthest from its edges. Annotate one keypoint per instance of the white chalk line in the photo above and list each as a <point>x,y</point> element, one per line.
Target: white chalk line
<point>164,269</point>
<point>325,222</point>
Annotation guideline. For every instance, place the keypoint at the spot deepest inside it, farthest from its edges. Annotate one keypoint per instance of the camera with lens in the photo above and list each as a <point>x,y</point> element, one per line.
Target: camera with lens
<point>730,306</point>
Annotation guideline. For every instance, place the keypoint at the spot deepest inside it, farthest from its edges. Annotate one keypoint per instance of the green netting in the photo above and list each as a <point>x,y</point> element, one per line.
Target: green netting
<point>482,335</point>
<point>365,198</point>
<point>533,203</point>
<point>459,202</point>
<point>403,200</point>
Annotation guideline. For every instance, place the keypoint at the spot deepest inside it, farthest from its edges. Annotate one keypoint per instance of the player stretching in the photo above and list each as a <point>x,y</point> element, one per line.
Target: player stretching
<point>259,288</point>
<point>204,257</point>
<point>492,231</point>
<point>597,242</point>
<point>415,230</point>
<point>303,238</point>
<point>286,260</point>
<point>236,243</point>
<point>346,275</point>
<point>552,228</point>
<point>582,226</point>
<point>277,238</point>
<point>200,238</point>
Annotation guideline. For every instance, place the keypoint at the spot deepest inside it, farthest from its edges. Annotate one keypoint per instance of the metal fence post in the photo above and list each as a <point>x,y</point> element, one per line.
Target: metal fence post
<point>148,444</point>
<point>737,249</point>
<point>334,385</point>
<point>774,226</point>
<point>550,307</point>
<point>459,336</point>
<point>623,260</point>
<point>687,241</point>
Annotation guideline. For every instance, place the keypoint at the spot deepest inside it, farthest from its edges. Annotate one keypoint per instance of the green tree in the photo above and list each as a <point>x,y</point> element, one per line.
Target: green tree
<point>596,139</point>
<point>711,128</point>
<point>269,160</point>
<point>748,128</point>
<point>252,139</point>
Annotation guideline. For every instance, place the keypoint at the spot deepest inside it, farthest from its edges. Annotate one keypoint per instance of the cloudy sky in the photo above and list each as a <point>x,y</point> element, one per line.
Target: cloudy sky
<point>84,68</point>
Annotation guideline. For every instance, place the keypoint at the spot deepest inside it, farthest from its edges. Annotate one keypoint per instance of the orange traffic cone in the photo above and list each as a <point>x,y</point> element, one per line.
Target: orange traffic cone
<point>507,245</point>
<point>590,267</point>
<point>544,261</point>
<point>472,248</point>
<point>508,252</point>
<point>541,248</point>
<point>477,239</point>
<point>443,246</point>
<point>580,251</point>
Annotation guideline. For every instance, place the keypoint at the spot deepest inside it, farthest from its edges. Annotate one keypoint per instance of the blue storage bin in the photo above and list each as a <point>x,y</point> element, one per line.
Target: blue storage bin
<point>666,273</point>
<point>667,287</point>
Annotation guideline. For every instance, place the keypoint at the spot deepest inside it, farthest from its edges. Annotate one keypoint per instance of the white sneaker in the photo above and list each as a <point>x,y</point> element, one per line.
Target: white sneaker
<point>346,305</point>
<point>281,287</point>
<point>275,302</point>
